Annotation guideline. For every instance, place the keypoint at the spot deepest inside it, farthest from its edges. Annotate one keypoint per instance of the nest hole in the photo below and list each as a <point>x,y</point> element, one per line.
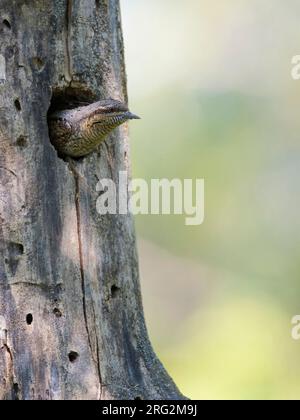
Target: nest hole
<point>69,98</point>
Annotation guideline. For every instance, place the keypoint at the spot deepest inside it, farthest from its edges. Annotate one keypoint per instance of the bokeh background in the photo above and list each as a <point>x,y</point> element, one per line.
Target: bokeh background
<point>212,81</point>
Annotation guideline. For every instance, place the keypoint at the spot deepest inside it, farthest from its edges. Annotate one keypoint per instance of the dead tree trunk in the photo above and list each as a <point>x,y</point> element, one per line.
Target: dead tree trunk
<point>71,318</point>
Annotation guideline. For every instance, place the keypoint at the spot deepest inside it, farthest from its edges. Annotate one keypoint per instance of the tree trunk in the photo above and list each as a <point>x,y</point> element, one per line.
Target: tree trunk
<point>71,317</point>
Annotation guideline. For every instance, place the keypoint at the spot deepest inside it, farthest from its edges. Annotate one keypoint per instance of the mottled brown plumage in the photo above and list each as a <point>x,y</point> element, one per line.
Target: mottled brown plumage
<point>77,132</point>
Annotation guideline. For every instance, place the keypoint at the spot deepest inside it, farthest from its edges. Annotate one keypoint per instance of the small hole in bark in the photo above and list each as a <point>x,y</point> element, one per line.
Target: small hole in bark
<point>6,260</point>
<point>57,312</point>
<point>18,105</point>
<point>114,291</point>
<point>29,319</point>
<point>16,249</point>
<point>6,23</point>
<point>138,398</point>
<point>73,356</point>
<point>21,142</point>
<point>38,64</point>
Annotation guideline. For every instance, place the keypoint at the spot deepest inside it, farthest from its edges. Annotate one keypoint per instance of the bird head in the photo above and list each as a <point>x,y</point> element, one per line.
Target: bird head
<point>105,115</point>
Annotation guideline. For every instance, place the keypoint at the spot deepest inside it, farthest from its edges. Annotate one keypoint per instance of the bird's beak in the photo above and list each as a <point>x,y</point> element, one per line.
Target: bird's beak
<point>132,116</point>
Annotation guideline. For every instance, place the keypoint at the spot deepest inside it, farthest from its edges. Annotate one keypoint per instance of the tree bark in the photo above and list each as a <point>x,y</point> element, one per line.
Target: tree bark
<point>71,317</point>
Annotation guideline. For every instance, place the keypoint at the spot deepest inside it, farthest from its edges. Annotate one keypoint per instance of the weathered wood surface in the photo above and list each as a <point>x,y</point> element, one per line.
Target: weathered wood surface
<point>71,319</point>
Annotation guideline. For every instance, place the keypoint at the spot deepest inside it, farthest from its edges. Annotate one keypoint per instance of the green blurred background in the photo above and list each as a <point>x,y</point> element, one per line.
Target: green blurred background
<point>212,81</point>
